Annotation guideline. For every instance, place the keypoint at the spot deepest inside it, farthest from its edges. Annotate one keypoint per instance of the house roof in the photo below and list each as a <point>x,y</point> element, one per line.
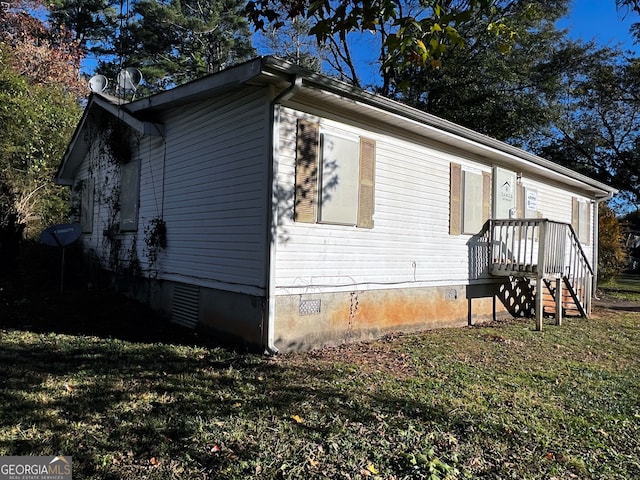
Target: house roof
<point>295,84</point>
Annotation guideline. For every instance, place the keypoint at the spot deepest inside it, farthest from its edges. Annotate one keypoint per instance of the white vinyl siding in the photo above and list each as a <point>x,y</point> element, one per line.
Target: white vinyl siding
<point>215,192</point>
<point>410,244</point>
<point>206,179</point>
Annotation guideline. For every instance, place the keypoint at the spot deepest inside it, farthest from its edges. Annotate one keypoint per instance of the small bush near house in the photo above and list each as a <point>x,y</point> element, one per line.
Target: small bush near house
<point>612,257</point>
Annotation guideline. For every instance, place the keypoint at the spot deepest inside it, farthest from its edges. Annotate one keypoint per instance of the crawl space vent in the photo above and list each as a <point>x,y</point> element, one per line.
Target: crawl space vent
<point>186,302</point>
<point>309,307</point>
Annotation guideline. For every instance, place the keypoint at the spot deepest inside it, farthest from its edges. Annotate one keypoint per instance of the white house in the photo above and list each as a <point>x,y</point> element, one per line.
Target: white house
<point>287,210</point>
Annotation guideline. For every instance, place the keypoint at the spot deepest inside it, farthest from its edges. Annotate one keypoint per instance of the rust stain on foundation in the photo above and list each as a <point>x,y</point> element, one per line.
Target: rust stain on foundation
<point>386,311</point>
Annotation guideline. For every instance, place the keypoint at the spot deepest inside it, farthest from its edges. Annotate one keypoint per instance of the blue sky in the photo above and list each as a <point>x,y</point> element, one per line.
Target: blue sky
<point>600,20</point>
<point>588,20</point>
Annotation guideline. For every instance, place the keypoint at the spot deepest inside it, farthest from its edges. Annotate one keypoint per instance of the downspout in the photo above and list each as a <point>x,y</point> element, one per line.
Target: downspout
<point>272,216</point>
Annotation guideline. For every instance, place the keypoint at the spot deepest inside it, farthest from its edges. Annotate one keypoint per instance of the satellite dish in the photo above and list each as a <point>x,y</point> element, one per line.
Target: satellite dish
<point>129,78</point>
<point>61,235</point>
<point>98,83</point>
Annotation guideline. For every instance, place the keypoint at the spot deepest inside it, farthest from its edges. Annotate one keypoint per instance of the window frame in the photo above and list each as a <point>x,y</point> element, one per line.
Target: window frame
<point>348,192</point>
<point>458,225</point>
<point>310,177</point>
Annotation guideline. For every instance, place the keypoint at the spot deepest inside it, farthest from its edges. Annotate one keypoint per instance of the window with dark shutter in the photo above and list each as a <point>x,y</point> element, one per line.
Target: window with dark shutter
<point>469,200</point>
<point>335,177</point>
<point>486,196</point>
<point>129,194</point>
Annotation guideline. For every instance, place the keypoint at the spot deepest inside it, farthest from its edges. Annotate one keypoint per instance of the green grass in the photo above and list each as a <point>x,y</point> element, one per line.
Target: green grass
<point>498,402</point>
<point>623,287</point>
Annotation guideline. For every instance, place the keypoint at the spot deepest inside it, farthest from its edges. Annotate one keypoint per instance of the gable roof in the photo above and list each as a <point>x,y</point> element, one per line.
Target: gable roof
<point>291,80</point>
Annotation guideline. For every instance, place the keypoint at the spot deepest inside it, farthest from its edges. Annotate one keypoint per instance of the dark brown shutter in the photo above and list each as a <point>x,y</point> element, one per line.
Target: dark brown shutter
<point>306,195</point>
<point>486,196</point>
<point>455,189</point>
<point>366,193</point>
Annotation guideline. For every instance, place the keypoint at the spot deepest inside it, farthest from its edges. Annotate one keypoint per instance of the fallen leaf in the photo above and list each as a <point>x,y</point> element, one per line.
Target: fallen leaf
<point>312,462</point>
<point>297,418</point>
<point>237,405</point>
<point>153,461</point>
<point>372,469</point>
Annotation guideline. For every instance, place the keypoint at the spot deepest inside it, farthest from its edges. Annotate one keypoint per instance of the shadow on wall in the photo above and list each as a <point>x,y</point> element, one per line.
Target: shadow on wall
<point>479,254</point>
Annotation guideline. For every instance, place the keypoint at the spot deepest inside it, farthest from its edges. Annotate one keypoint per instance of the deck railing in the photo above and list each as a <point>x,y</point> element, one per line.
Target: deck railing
<point>541,248</point>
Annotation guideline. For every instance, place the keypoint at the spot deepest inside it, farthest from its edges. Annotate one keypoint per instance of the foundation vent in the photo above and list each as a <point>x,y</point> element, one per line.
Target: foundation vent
<point>451,294</point>
<point>186,305</point>
<point>309,307</point>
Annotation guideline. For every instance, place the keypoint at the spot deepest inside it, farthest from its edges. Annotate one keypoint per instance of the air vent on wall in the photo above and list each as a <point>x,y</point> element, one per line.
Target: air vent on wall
<point>186,305</point>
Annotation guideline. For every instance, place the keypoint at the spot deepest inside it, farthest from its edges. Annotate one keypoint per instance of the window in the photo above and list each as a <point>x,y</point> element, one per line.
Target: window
<point>334,177</point>
<point>469,200</point>
<point>129,184</point>
<point>581,220</point>
<point>86,206</point>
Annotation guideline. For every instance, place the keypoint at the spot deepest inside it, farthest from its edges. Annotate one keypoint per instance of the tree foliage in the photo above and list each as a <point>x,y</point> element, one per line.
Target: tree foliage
<point>292,42</point>
<point>410,34</point>
<point>502,92</point>
<point>613,256</point>
<point>171,42</point>
<point>598,130</point>
<point>42,55</point>
<point>38,111</point>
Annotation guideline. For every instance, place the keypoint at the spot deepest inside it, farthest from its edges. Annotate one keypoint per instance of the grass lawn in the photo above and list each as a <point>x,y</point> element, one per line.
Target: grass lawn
<point>499,401</point>
<point>623,287</point>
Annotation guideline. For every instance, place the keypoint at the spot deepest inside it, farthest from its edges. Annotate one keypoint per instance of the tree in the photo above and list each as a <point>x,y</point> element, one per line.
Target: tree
<point>598,130</point>
<point>502,92</point>
<point>41,54</point>
<point>411,34</point>
<point>92,22</point>
<point>38,112</point>
<point>177,41</point>
<point>612,254</point>
<point>171,42</point>
<point>292,42</point>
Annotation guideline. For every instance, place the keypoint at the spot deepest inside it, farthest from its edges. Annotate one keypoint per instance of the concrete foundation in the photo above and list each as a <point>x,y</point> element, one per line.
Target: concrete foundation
<point>313,320</point>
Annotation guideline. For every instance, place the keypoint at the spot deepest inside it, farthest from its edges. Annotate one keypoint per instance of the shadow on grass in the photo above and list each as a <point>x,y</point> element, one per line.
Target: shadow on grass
<point>105,379</point>
<point>130,409</point>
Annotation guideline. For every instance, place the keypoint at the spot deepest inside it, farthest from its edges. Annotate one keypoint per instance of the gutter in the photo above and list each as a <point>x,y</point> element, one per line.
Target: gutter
<point>269,311</point>
<point>357,95</point>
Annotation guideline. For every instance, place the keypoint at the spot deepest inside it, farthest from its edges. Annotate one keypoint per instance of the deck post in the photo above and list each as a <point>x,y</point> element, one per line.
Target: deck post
<point>558,300</point>
<point>539,305</point>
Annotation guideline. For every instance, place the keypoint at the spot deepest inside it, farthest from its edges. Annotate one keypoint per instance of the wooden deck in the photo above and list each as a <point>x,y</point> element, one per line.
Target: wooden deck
<point>548,252</point>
